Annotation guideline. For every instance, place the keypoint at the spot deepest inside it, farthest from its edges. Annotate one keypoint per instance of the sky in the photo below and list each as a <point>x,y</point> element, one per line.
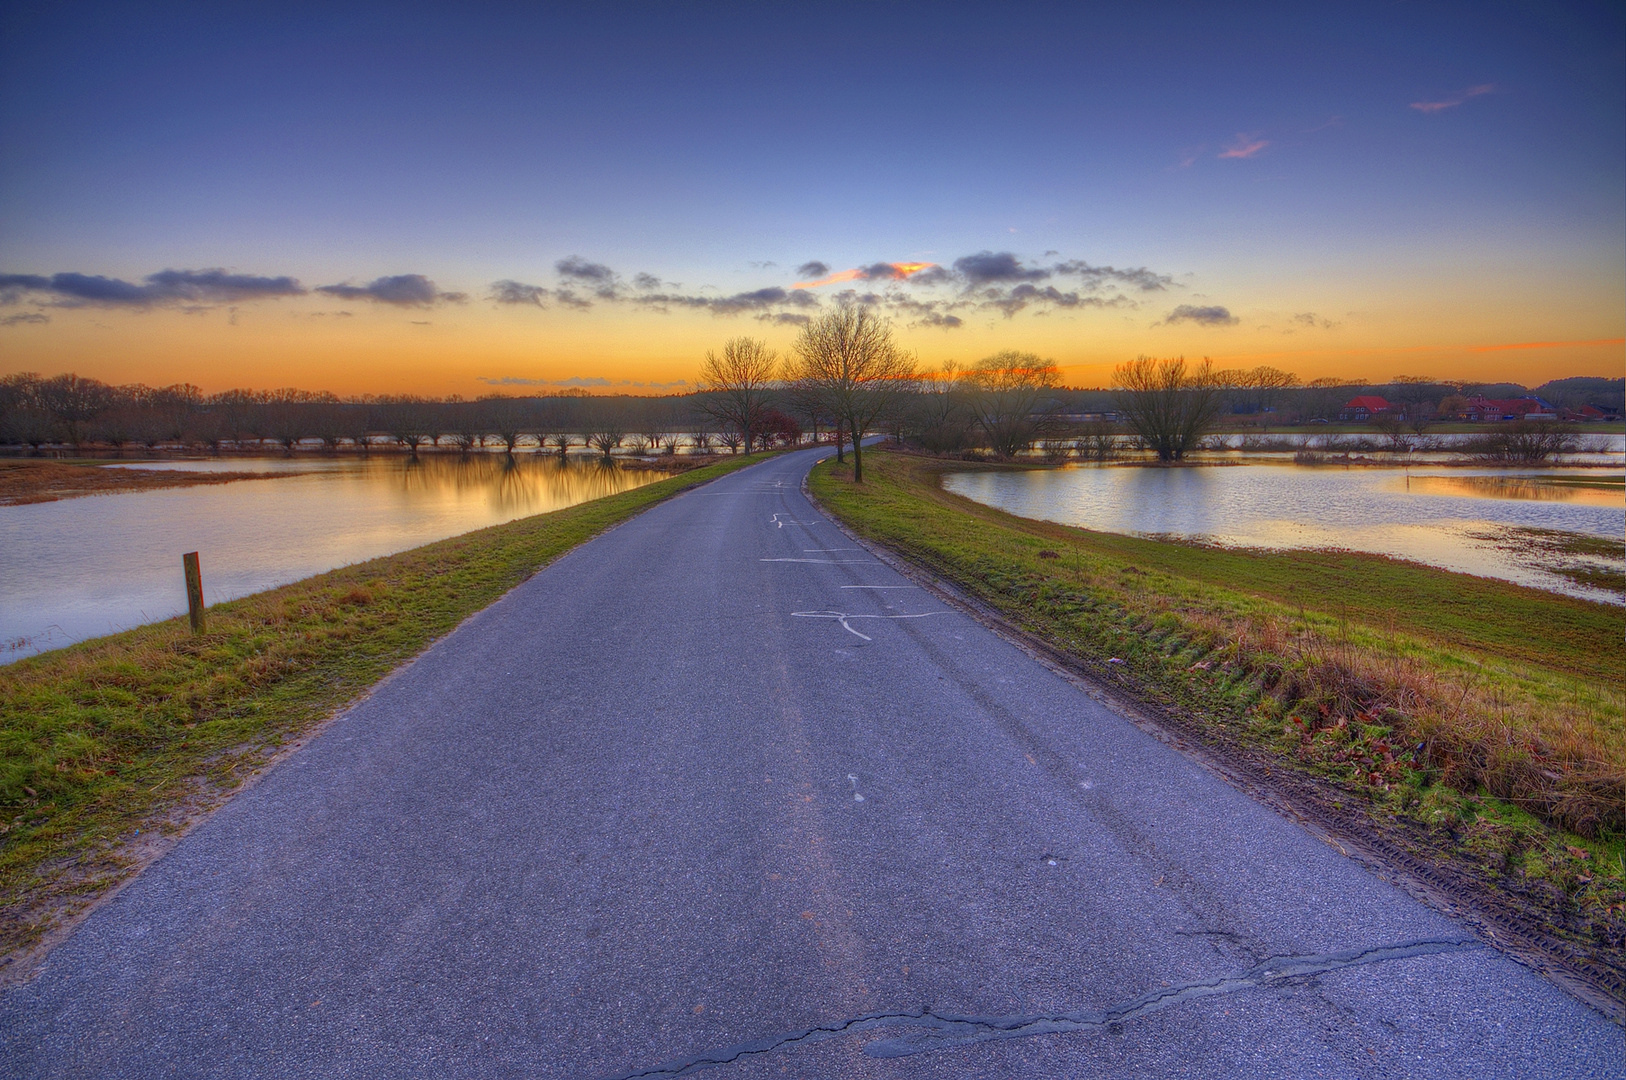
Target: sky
<point>511,198</point>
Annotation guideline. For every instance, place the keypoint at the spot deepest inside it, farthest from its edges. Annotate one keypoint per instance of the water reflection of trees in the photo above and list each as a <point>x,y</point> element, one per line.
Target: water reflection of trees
<point>510,484</point>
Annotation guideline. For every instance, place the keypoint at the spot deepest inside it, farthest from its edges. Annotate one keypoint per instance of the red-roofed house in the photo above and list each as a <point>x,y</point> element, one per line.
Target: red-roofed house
<point>1364,408</point>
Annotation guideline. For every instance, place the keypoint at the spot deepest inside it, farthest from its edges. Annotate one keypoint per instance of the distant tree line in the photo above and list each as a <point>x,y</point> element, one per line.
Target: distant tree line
<point>843,378</point>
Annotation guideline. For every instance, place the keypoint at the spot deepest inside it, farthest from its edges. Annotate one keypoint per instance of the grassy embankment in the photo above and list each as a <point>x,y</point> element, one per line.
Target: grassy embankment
<point>1480,723</point>
<point>148,729</point>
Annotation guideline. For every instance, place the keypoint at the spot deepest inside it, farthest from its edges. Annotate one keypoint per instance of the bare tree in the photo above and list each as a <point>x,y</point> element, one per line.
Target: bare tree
<point>1005,393</point>
<point>505,419</point>
<point>409,423</point>
<point>74,402</point>
<point>1168,405</point>
<point>466,424</point>
<point>606,427</point>
<point>846,360</point>
<point>735,384</point>
<point>1525,441</point>
<point>941,420</point>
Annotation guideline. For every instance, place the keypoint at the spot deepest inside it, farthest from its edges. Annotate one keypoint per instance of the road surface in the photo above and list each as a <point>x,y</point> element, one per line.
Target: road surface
<point>720,787</point>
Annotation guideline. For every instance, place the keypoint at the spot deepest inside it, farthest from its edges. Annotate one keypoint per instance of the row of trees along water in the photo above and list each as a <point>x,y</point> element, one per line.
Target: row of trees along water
<point>844,374</point>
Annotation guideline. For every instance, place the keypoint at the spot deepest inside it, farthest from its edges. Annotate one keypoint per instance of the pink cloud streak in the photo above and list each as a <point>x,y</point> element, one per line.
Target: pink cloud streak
<point>1451,103</point>
<point>1244,146</point>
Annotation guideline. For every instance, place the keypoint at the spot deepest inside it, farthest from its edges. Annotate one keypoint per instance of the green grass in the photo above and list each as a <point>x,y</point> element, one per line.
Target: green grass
<point>147,729</point>
<point>1481,719</point>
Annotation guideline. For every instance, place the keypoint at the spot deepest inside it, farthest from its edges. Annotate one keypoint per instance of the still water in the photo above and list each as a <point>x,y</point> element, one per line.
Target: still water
<point>84,567</point>
<point>1442,518</point>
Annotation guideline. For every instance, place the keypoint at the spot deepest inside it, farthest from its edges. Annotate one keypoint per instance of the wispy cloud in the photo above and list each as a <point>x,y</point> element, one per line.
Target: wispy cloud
<point>402,290</point>
<point>812,269</point>
<point>25,319</point>
<point>1453,102</point>
<point>1214,315</point>
<point>1314,321</point>
<point>1244,146</point>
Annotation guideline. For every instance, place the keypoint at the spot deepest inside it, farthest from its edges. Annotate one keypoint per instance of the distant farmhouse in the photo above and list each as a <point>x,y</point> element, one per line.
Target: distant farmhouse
<point>1363,408</point>
<point>1481,410</point>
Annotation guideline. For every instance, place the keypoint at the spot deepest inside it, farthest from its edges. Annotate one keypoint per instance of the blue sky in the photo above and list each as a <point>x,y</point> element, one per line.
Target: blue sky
<point>1274,161</point>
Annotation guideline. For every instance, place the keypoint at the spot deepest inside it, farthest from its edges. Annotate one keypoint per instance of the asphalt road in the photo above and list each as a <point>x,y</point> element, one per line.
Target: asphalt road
<point>720,786</point>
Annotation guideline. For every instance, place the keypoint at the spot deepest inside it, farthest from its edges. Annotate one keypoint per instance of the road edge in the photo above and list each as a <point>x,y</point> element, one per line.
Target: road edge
<point>1295,798</point>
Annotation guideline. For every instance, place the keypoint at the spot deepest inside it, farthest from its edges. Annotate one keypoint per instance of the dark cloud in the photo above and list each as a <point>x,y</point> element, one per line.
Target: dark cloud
<point>944,322</point>
<point>402,290</point>
<point>813,268</point>
<point>576,268</point>
<point>1094,277</point>
<point>1311,319</point>
<point>25,318</point>
<point>569,299</point>
<point>759,301</point>
<point>14,286</point>
<point>933,275</point>
<point>987,267</point>
<point>1203,316</point>
<point>1024,296</point>
<point>881,272</point>
<point>165,287</point>
<point>508,291</point>
<point>753,301</point>
<point>785,318</point>
<point>646,281</point>
<point>218,285</point>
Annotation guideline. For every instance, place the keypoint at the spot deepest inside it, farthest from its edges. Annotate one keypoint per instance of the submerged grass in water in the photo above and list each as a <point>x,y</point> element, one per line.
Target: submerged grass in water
<point>148,729</point>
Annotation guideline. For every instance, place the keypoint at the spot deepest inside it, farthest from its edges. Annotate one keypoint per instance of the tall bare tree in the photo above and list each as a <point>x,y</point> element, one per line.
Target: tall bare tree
<point>1169,405</point>
<point>1006,393</point>
<point>846,360</point>
<point>736,384</point>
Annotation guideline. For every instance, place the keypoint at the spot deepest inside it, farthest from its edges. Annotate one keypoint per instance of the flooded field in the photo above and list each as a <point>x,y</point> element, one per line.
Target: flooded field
<point>84,567</point>
<point>1556,529</point>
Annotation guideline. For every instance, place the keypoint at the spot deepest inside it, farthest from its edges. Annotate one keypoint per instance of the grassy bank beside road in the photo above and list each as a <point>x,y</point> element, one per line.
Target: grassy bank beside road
<point>1474,722</point>
<point>110,746</point>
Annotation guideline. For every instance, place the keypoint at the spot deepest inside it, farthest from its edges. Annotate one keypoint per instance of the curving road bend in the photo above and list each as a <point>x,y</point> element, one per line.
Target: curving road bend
<point>720,789</point>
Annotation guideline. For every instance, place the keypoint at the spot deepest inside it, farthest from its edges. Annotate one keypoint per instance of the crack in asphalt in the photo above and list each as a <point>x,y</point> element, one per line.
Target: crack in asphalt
<point>939,1031</point>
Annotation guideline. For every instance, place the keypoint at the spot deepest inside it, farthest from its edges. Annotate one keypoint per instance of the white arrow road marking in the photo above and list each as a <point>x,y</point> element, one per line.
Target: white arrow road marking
<point>829,562</point>
<point>780,522</point>
<point>842,617</point>
<point>856,797</point>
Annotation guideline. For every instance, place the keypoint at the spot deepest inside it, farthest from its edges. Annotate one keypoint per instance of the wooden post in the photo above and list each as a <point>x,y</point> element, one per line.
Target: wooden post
<point>194,590</point>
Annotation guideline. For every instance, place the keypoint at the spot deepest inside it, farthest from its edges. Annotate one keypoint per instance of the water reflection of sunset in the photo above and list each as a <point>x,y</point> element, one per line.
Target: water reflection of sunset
<point>257,534</point>
<point>1585,492</point>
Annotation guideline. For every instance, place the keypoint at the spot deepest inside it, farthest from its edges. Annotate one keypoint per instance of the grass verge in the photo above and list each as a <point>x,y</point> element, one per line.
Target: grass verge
<point>1473,723</point>
<point>110,748</point>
